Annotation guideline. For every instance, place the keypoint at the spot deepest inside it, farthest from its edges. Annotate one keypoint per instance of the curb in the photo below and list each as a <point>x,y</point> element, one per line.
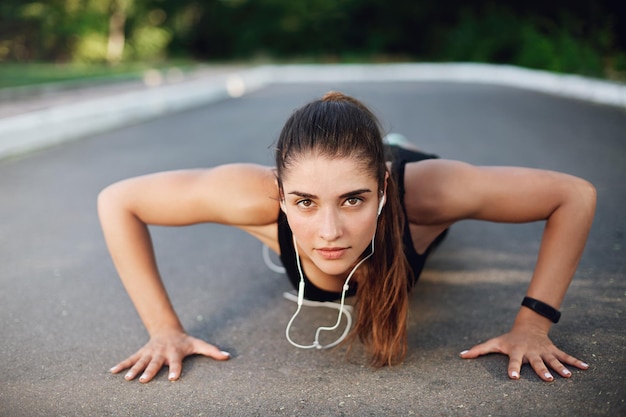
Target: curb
<point>565,85</point>
<point>31,131</point>
<point>42,128</point>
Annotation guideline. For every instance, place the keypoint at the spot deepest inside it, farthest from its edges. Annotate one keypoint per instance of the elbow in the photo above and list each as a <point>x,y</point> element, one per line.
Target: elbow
<point>105,201</point>
<point>590,193</point>
<point>110,200</point>
<point>586,196</point>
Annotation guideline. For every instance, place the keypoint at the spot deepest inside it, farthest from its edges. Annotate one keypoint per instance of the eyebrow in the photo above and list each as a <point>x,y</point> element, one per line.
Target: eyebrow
<point>345,195</point>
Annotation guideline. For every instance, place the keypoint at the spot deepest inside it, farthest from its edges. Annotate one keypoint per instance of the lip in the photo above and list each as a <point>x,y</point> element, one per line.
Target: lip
<point>332,253</point>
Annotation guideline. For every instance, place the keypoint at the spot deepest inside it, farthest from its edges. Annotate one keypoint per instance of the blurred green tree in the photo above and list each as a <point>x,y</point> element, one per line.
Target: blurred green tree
<point>575,36</point>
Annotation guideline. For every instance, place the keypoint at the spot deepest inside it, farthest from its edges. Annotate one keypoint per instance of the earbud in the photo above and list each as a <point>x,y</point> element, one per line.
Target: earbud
<point>381,205</point>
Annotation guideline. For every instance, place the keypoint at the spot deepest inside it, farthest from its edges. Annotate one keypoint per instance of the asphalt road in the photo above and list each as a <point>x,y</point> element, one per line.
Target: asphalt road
<point>66,318</point>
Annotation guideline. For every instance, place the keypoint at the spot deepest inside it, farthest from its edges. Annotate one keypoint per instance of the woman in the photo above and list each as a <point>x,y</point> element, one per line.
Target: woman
<point>345,221</point>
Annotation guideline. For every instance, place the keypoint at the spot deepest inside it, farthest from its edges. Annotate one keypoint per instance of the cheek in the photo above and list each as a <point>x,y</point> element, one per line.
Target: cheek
<point>302,228</point>
<point>364,228</point>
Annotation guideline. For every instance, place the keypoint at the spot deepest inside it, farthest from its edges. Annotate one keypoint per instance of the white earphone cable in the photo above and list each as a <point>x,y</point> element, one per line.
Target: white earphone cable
<point>299,299</point>
<point>342,308</point>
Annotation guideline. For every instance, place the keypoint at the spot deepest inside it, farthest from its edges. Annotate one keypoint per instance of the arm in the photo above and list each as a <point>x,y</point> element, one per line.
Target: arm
<point>457,191</point>
<point>232,194</point>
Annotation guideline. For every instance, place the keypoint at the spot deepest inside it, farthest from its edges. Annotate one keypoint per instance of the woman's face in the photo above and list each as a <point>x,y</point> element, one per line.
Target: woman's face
<point>331,206</point>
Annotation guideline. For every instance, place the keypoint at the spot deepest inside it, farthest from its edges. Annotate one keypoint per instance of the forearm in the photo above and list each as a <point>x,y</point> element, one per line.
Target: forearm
<point>131,250</point>
<point>562,245</point>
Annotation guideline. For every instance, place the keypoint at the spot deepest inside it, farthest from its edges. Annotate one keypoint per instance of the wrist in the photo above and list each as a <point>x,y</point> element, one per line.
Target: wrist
<point>167,326</point>
<point>542,309</point>
<point>528,318</point>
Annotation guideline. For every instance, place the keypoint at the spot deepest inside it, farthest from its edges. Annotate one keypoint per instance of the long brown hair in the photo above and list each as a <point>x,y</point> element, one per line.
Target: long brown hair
<point>339,126</point>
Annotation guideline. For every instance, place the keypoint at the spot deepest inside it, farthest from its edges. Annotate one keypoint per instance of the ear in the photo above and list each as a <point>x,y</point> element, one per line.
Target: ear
<point>281,196</point>
<point>384,190</point>
<point>385,183</point>
<point>383,198</point>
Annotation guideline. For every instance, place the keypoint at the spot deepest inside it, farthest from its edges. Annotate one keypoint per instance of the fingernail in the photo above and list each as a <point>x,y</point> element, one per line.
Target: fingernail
<point>172,376</point>
<point>113,369</point>
<point>514,375</point>
<point>142,378</point>
<point>584,365</point>
<point>223,352</point>
<point>566,372</point>
<point>464,352</point>
<point>128,375</point>
<point>547,375</point>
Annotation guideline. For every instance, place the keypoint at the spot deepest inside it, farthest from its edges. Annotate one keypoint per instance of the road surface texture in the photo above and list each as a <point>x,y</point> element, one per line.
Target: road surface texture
<point>66,318</point>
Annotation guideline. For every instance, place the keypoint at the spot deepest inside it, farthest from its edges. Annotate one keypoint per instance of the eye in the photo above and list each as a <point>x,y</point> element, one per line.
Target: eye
<point>304,203</point>
<point>353,201</point>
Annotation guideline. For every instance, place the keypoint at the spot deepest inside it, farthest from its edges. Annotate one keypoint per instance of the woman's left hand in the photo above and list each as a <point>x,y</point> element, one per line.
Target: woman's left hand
<point>528,344</point>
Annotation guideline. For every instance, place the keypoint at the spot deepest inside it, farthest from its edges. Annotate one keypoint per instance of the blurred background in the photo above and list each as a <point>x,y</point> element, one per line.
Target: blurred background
<point>49,40</point>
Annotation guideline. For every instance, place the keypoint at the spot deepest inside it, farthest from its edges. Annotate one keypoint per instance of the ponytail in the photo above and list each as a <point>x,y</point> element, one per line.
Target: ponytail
<point>383,294</point>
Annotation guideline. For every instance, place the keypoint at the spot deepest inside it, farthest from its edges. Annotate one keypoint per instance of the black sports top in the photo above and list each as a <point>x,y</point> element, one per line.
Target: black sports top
<point>398,157</point>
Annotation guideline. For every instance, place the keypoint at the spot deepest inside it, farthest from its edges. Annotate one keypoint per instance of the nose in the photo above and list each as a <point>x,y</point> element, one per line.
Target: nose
<point>330,228</point>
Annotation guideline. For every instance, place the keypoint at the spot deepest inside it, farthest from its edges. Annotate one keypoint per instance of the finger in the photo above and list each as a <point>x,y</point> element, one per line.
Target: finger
<point>137,368</point>
<point>570,360</point>
<point>515,365</point>
<point>557,366</point>
<point>176,366</point>
<point>125,364</point>
<point>490,346</point>
<point>152,369</point>
<point>538,365</point>
<point>200,347</point>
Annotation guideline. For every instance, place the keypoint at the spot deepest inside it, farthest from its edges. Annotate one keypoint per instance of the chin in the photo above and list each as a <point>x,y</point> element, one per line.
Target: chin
<point>336,267</point>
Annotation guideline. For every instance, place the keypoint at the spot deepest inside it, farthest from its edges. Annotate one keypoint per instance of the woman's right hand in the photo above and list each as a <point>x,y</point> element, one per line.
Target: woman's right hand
<point>166,348</point>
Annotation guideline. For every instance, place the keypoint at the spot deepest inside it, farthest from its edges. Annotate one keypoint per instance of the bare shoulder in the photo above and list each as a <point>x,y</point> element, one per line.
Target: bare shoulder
<point>233,194</point>
<point>427,189</point>
<point>249,191</point>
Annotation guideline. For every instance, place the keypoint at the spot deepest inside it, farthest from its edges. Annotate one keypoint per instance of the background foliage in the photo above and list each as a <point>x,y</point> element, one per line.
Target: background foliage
<point>587,37</point>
